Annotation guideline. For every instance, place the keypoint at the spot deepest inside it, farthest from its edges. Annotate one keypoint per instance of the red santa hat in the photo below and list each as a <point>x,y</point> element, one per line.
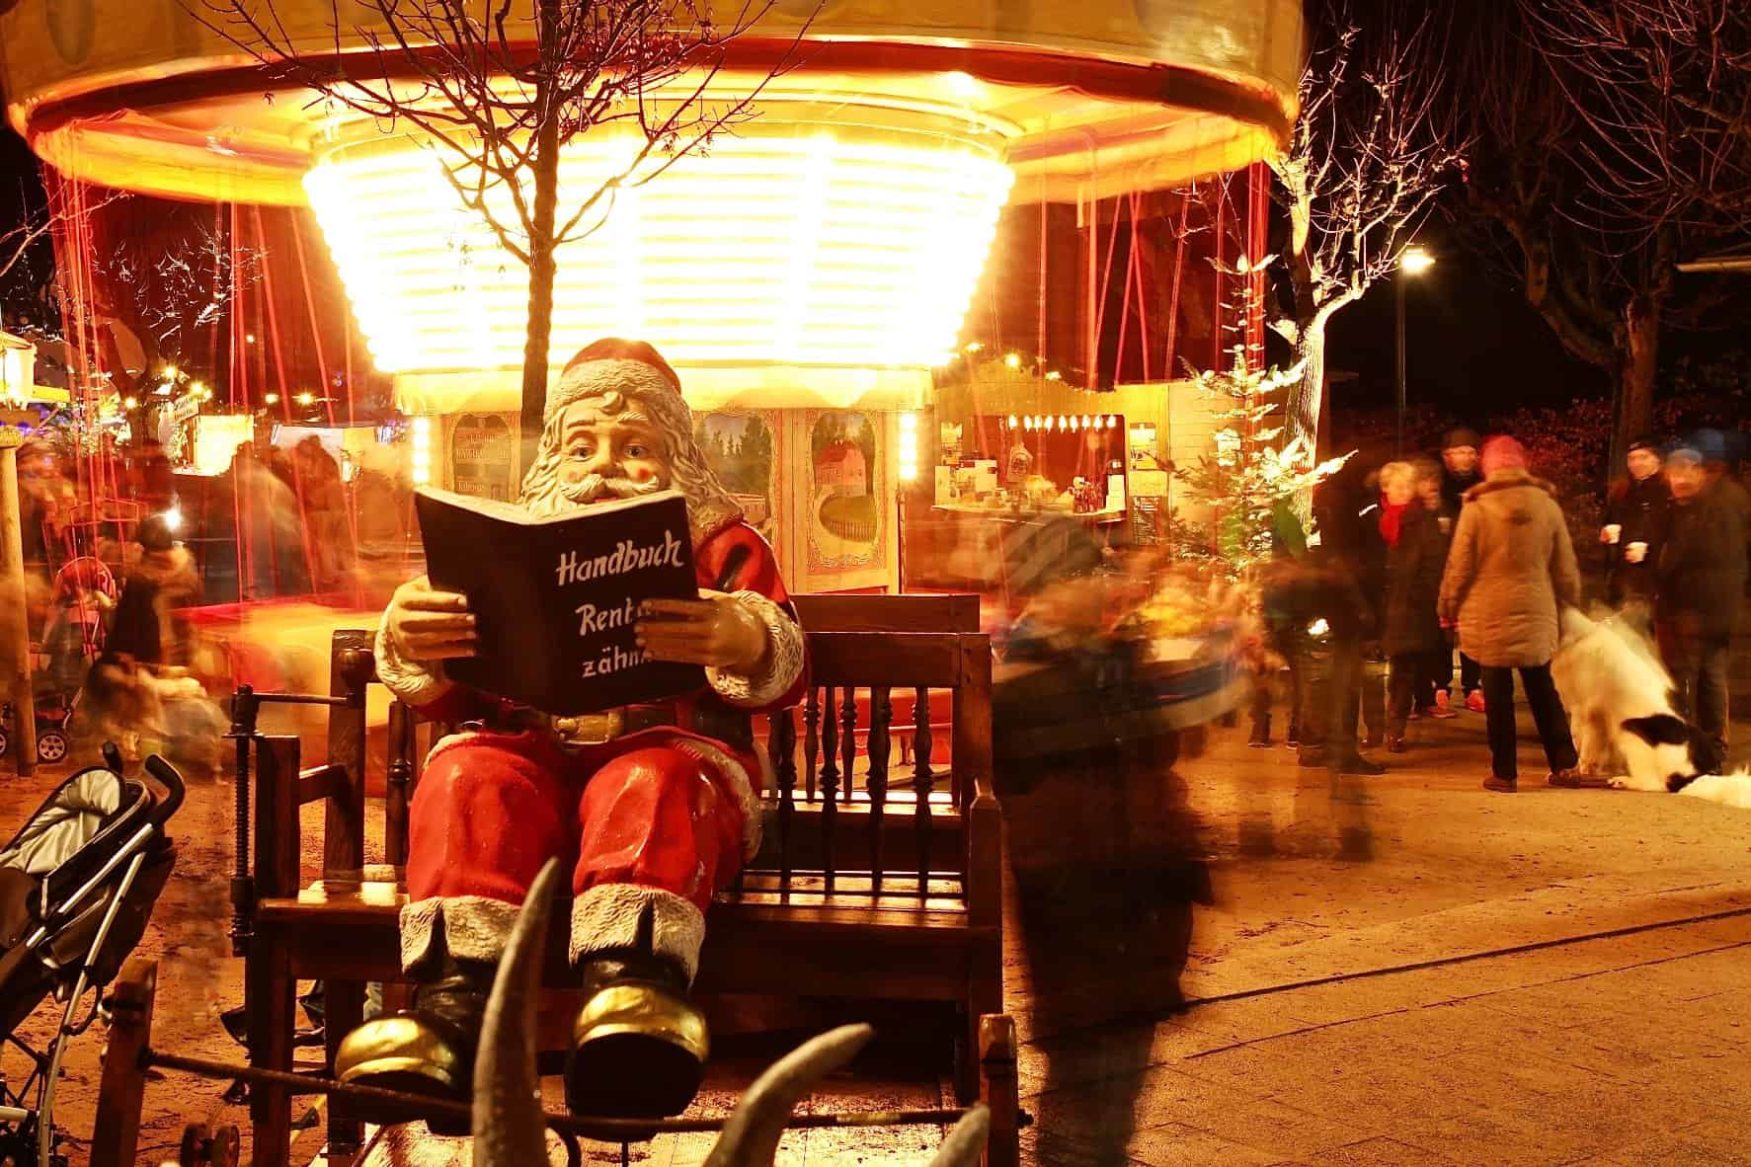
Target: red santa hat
<point>632,368</point>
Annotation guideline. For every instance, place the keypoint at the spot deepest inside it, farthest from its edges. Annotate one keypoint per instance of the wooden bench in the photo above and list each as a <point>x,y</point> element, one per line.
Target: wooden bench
<point>874,883</point>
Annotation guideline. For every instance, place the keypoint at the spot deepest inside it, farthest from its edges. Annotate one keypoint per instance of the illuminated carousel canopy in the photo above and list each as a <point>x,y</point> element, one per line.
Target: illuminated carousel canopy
<point>825,252</point>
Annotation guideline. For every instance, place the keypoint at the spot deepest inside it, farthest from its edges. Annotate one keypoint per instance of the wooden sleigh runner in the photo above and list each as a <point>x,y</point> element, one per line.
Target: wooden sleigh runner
<point>879,881</point>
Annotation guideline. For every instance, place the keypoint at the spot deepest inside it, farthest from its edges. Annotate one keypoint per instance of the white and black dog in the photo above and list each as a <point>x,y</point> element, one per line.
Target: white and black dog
<point>1619,700</point>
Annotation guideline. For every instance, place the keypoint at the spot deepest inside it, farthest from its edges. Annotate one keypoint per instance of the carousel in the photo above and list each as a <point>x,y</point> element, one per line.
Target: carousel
<point>805,275</point>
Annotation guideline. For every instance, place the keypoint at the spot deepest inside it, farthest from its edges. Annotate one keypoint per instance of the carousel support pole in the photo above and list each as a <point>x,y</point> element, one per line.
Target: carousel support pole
<point>15,620</point>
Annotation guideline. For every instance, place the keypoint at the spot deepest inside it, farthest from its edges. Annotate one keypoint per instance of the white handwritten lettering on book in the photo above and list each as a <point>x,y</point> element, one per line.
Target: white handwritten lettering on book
<point>627,556</point>
<point>613,660</point>
<point>592,619</point>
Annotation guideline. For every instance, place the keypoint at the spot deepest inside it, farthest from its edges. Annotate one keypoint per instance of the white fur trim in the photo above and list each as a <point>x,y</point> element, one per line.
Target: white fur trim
<point>783,666</point>
<point>475,927</point>
<point>735,775</point>
<point>608,375</point>
<point>607,917</point>
<point>416,683</point>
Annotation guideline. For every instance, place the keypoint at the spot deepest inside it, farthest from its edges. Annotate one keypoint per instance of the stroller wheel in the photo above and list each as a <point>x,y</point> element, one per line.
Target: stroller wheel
<point>202,1147</point>
<point>51,747</point>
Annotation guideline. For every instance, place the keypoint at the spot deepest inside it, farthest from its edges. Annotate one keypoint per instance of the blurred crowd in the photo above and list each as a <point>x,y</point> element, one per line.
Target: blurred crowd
<point>1412,560</point>
<point>113,588</point>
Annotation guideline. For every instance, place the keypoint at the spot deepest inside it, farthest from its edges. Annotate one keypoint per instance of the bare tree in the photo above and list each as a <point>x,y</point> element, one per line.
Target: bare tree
<point>1611,139</point>
<point>1368,157</point>
<point>498,88</point>
<point>27,246</point>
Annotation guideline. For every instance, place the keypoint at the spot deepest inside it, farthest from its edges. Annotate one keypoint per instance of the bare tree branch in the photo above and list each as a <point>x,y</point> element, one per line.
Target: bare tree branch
<point>1364,165</point>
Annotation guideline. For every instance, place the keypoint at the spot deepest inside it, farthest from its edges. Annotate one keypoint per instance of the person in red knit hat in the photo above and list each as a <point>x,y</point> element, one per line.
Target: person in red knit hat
<point>658,803</point>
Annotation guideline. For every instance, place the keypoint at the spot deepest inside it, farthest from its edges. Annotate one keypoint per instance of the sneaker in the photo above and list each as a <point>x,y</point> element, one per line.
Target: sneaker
<point>1442,710</point>
<point>1395,745</point>
<point>1501,785</point>
<point>1372,741</point>
<point>1357,764</point>
<point>1417,714</point>
<point>1259,743</point>
<point>1474,700</point>
<point>1443,703</point>
<point>1574,779</point>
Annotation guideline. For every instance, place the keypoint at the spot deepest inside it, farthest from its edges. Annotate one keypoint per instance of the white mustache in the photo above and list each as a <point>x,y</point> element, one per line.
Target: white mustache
<point>591,487</point>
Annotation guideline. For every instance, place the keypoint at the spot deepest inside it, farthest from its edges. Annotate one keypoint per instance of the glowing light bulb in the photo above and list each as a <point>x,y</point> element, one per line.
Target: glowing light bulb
<point>1012,421</point>
<point>131,403</point>
<point>305,398</point>
<point>1054,375</point>
<point>1013,360</point>
<point>271,398</point>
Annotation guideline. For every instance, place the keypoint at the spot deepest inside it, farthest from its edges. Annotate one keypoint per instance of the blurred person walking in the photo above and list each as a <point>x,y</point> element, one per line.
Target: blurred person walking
<point>1459,473</point>
<point>1411,633</point>
<point>1700,588</point>
<point>1634,531</point>
<point>1510,567</point>
<point>1333,594</point>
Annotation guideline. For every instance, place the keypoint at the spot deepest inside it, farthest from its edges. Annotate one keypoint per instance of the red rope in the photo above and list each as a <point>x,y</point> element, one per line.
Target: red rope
<point>1137,283</point>
<point>1125,291</point>
<point>315,325</point>
<point>1179,268</point>
<point>1101,293</point>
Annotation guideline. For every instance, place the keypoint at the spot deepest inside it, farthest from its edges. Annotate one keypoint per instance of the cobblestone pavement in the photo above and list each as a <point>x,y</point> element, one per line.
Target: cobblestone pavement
<point>1236,961</point>
<point>1408,969</point>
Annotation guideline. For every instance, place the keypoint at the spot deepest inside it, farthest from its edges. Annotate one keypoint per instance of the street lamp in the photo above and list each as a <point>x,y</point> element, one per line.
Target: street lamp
<point>1414,262</point>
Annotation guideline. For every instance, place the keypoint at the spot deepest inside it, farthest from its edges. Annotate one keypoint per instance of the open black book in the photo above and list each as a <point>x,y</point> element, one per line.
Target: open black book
<point>556,599</point>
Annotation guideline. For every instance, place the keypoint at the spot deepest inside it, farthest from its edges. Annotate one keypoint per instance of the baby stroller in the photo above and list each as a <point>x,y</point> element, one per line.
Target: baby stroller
<point>77,885</point>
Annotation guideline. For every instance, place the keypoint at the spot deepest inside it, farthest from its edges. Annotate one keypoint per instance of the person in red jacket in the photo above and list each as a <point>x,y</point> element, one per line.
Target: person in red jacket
<point>657,803</point>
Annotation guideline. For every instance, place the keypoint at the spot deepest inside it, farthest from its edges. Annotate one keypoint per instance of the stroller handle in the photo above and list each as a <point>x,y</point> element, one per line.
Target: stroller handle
<point>172,781</point>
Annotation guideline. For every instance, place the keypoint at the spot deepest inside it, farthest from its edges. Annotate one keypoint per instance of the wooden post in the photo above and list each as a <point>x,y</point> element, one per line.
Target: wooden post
<point>999,1088</point>
<point>116,1135</point>
<point>15,620</point>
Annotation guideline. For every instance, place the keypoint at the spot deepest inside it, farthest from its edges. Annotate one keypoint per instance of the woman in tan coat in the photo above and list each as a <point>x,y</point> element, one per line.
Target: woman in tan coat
<point>1510,567</point>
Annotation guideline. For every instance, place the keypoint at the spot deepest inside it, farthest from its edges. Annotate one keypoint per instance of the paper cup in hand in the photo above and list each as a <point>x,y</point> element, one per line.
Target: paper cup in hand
<point>1612,533</point>
<point>1635,552</point>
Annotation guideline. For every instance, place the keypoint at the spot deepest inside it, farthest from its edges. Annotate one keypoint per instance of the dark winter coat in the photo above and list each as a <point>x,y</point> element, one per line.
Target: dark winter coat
<point>1701,577</point>
<point>1454,486</point>
<point>1413,584</point>
<point>1510,566</point>
<point>1352,555</point>
<point>1641,509</point>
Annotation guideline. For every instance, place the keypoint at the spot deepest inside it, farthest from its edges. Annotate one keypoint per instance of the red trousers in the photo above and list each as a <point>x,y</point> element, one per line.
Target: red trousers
<point>491,809</point>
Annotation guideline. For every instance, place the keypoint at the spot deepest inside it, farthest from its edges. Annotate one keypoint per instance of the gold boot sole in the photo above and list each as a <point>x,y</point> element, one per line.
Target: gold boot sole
<point>638,1051</point>
<point>406,1055</point>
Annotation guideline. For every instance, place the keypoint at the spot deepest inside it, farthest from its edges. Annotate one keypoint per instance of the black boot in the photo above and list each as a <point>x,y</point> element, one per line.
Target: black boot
<point>638,1045</point>
<point>429,1047</point>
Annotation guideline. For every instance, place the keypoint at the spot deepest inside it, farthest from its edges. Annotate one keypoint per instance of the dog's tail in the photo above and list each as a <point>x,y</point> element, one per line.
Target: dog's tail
<point>1727,789</point>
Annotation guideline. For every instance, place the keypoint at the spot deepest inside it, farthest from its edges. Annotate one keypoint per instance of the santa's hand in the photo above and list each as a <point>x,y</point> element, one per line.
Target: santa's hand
<point>716,630</point>
<point>426,624</point>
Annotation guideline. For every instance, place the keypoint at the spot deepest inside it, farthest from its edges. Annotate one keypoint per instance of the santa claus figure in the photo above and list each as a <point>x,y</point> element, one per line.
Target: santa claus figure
<point>657,804</point>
